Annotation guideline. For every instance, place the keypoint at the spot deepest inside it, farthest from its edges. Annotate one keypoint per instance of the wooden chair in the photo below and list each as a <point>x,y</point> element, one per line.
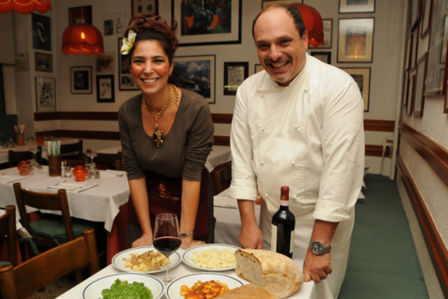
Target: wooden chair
<point>75,162</point>
<point>221,177</point>
<point>8,233</point>
<point>28,277</point>
<point>15,157</point>
<point>72,151</point>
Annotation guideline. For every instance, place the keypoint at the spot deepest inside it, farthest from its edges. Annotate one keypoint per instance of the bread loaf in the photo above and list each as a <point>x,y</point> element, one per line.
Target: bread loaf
<point>248,291</point>
<point>270,270</point>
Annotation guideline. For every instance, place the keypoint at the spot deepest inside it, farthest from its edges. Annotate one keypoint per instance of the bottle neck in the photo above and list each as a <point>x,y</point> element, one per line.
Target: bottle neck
<point>284,204</point>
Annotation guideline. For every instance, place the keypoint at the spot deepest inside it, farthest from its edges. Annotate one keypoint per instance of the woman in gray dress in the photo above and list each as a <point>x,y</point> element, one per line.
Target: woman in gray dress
<point>166,135</point>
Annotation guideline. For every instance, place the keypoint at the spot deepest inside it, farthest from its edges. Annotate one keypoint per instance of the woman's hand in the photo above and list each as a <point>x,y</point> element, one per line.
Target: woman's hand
<point>144,240</point>
<point>189,242</point>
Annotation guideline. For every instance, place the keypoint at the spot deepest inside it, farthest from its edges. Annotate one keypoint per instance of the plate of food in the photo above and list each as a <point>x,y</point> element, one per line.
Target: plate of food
<point>145,259</point>
<point>211,257</point>
<point>111,286</point>
<point>201,284</point>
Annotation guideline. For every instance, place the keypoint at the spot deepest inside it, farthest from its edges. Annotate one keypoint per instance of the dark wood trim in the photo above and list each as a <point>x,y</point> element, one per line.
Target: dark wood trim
<point>379,125</point>
<point>434,154</point>
<point>434,243</point>
<point>222,140</point>
<point>103,135</point>
<point>222,118</point>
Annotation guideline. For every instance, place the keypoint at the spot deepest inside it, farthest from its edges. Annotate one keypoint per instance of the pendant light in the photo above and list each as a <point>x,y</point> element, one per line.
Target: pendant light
<point>25,6</point>
<point>313,23</point>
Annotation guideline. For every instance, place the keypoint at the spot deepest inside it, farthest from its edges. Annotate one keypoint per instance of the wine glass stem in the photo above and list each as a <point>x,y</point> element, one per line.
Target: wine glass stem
<point>167,279</point>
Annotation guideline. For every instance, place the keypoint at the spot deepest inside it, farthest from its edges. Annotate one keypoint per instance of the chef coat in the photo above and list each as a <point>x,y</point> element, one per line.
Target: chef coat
<point>309,136</point>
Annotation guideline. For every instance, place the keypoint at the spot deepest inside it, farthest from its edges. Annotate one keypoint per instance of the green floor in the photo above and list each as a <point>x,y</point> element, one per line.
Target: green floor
<point>382,263</point>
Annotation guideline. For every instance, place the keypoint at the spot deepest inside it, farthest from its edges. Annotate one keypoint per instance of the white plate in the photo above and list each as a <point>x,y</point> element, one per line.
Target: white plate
<point>187,257</point>
<point>118,262</point>
<point>173,289</point>
<point>93,290</point>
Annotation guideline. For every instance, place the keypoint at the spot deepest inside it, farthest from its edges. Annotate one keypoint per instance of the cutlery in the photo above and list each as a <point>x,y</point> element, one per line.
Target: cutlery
<point>87,188</point>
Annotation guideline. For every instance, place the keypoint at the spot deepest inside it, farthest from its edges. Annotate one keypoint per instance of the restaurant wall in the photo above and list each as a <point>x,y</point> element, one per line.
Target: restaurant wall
<point>385,67</point>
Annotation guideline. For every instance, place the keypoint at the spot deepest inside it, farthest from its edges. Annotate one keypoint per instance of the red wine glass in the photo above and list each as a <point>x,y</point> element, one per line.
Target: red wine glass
<point>166,236</point>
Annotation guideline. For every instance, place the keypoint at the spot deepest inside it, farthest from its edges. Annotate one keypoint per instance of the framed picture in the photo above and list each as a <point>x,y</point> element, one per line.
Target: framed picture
<point>415,13</point>
<point>125,81</point>
<point>258,68</point>
<point>196,73</point>
<point>328,33</point>
<point>41,31</point>
<point>361,75</point>
<point>405,89</point>
<point>266,3</point>
<point>356,6</point>
<point>105,63</point>
<point>234,75</point>
<point>80,13</point>
<point>420,70</point>
<point>45,94</point>
<point>146,7</point>
<point>81,79</point>
<point>105,88</point>
<point>355,42</point>
<point>324,56</point>
<point>43,62</point>
<point>411,92</point>
<point>207,22</point>
<point>444,43</point>
<point>426,17</point>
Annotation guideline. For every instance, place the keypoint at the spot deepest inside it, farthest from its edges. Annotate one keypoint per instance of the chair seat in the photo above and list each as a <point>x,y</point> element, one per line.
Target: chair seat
<point>54,229</point>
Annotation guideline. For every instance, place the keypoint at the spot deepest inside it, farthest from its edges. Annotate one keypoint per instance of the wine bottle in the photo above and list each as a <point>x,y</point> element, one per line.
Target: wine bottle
<point>283,224</point>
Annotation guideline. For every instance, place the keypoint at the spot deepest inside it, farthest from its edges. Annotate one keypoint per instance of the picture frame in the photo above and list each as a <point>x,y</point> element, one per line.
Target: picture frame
<point>258,68</point>
<point>266,3</point>
<point>355,42</point>
<point>419,101</point>
<point>444,41</point>
<point>328,34</point>
<point>43,62</point>
<point>411,93</point>
<point>41,32</point>
<point>105,63</point>
<point>196,73</point>
<point>80,13</point>
<point>361,75</point>
<point>45,89</point>
<point>324,56</point>
<point>234,74</point>
<point>356,6</point>
<point>405,89</point>
<point>105,92</point>
<point>222,25</point>
<point>81,79</point>
<point>145,7</point>
<point>426,17</point>
<point>125,81</point>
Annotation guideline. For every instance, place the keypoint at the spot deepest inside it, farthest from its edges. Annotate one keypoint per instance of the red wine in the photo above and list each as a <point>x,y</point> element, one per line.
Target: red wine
<point>283,224</point>
<point>167,245</point>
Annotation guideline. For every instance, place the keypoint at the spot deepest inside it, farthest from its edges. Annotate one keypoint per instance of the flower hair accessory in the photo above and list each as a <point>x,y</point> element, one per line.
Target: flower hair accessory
<point>128,42</point>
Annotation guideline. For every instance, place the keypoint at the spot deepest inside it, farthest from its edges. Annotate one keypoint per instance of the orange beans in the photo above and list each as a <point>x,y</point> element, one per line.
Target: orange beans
<point>204,290</point>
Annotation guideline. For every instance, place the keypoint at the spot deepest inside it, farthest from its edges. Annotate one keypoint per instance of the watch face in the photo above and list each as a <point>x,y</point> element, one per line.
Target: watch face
<point>316,247</point>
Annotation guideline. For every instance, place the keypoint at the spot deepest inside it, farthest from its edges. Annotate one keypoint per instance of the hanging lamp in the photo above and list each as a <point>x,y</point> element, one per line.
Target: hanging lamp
<point>313,23</point>
<point>25,6</point>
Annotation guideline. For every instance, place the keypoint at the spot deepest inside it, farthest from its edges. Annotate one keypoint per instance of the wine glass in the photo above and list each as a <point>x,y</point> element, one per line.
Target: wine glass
<point>166,236</point>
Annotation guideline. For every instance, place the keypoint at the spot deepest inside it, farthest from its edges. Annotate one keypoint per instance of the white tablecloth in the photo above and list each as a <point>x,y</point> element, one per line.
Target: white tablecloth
<point>306,291</point>
<point>100,202</point>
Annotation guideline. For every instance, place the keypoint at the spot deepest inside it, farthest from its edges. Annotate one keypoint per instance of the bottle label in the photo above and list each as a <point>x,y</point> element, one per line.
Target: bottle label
<point>284,203</point>
<point>273,237</point>
<point>291,244</point>
<point>282,239</point>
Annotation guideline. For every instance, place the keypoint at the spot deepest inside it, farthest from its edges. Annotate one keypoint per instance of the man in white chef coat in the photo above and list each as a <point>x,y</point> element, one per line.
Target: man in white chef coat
<point>298,123</point>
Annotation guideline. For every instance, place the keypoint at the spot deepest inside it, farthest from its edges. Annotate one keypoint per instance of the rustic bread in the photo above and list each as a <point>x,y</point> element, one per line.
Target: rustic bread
<point>270,270</point>
<point>248,291</point>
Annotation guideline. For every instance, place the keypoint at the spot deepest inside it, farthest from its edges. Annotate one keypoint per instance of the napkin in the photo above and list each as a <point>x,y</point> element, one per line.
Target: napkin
<point>113,173</point>
<point>10,178</point>
<point>224,200</point>
<point>78,187</point>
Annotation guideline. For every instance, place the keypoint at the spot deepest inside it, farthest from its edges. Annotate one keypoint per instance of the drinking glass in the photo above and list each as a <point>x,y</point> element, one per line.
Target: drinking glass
<point>166,236</point>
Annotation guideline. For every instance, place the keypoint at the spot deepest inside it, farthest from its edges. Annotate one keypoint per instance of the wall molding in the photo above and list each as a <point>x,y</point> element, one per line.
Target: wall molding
<point>434,243</point>
<point>433,153</point>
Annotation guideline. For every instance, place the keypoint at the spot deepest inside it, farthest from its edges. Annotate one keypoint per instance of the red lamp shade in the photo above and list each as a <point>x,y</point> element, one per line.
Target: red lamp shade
<point>313,23</point>
<point>82,39</point>
<point>25,6</point>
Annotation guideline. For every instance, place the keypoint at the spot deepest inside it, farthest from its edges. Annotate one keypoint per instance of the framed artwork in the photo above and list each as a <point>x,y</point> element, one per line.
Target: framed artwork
<point>356,6</point>
<point>80,13</point>
<point>411,92</point>
<point>207,22</point>
<point>45,94</point>
<point>266,3</point>
<point>445,87</point>
<point>146,7</point>
<point>234,75</point>
<point>105,63</point>
<point>328,33</point>
<point>258,68</point>
<point>355,42</point>
<point>324,56</point>
<point>41,31</point>
<point>43,62</point>
<point>408,53</point>
<point>414,49</point>
<point>361,75</point>
<point>426,17</point>
<point>196,73</point>
<point>415,12</point>
<point>105,88</point>
<point>420,70</point>
<point>81,79</point>
<point>405,89</point>
<point>444,43</point>
<point>125,81</point>
<point>115,23</point>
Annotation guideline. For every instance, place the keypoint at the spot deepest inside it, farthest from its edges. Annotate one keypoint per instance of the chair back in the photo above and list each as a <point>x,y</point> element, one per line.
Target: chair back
<point>28,277</point>
<point>45,201</point>
<point>72,151</point>
<point>8,232</point>
<point>221,177</point>
<point>15,157</point>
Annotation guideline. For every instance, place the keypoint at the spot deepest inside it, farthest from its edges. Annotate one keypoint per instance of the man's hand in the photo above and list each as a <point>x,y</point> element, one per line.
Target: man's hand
<point>251,236</point>
<point>316,267</point>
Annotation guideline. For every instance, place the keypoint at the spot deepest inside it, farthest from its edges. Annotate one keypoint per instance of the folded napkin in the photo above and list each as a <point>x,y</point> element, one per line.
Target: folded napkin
<point>113,173</point>
<point>73,186</point>
<point>10,178</point>
<point>224,200</point>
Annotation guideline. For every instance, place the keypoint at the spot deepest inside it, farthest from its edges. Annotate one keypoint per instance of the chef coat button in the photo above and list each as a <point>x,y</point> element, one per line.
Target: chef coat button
<point>261,162</point>
<point>266,195</point>
<point>296,126</point>
<point>293,162</point>
<point>294,196</point>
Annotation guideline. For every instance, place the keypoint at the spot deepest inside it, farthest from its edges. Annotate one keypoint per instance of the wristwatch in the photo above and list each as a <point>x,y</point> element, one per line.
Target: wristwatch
<point>318,248</point>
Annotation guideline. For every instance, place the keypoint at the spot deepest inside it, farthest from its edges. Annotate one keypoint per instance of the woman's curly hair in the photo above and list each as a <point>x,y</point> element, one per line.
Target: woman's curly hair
<point>153,27</point>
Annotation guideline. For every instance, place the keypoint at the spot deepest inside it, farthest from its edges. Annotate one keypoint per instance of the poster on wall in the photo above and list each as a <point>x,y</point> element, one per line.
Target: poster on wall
<point>361,75</point>
<point>355,43</point>
<point>45,94</point>
<point>41,31</point>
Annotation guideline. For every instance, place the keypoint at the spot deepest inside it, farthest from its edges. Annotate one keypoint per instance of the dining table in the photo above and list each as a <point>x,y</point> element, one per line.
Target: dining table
<point>305,291</point>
